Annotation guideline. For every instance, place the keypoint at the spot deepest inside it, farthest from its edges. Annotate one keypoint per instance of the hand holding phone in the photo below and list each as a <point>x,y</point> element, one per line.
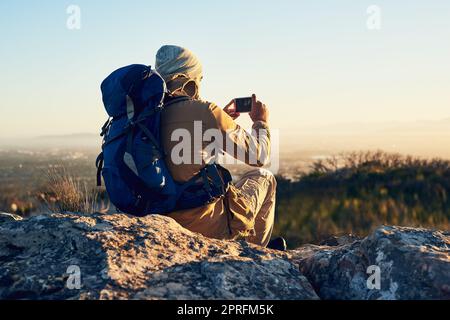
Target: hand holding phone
<point>256,109</point>
<point>230,109</point>
<point>259,112</point>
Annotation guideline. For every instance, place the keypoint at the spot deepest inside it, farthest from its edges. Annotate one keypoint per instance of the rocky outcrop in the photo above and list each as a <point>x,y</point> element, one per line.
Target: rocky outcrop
<point>392,263</point>
<point>6,217</point>
<point>119,257</point>
<point>80,256</point>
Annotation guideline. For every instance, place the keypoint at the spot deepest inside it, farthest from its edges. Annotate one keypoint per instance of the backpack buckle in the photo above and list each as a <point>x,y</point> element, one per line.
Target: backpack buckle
<point>130,125</point>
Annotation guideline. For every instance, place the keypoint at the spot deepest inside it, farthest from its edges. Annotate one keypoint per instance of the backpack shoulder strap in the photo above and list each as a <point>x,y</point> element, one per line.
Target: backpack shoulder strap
<point>172,100</point>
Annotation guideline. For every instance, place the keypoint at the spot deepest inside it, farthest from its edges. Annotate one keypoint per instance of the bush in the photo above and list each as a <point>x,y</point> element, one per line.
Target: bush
<point>359,191</point>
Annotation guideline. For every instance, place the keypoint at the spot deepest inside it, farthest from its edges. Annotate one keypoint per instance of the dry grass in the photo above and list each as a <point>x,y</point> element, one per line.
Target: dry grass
<point>71,195</point>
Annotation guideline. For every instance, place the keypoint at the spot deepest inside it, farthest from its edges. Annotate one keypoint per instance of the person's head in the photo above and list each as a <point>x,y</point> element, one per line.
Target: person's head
<point>181,70</point>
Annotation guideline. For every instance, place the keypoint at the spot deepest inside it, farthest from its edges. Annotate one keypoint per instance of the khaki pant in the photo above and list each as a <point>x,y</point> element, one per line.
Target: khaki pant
<point>258,187</point>
<point>256,196</point>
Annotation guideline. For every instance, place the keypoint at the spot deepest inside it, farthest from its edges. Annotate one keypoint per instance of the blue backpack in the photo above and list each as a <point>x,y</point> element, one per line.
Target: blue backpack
<point>132,163</point>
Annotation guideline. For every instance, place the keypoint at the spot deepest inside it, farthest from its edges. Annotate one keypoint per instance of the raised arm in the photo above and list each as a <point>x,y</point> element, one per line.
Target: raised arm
<point>252,148</point>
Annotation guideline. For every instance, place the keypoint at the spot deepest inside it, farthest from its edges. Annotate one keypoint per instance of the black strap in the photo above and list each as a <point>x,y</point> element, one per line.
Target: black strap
<point>172,100</point>
<point>105,127</point>
<point>206,184</point>
<point>129,145</point>
<point>189,183</point>
<point>217,179</point>
<point>130,126</point>
<point>208,172</point>
<point>149,135</point>
<point>99,164</point>
<point>141,119</point>
<point>146,114</point>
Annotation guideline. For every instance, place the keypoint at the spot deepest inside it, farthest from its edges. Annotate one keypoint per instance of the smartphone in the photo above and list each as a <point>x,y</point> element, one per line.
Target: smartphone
<point>243,105</point>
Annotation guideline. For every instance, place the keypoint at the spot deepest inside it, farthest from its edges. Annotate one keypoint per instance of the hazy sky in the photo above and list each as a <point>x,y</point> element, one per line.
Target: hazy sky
<point>313,62</point>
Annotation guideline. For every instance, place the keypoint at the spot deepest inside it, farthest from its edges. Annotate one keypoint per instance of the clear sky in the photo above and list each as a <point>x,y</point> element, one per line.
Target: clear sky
<point>313,62</point>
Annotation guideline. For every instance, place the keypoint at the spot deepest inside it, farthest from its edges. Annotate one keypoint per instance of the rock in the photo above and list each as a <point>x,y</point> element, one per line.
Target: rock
<point>7,217</point>
<point>339,241</point>
<point>80,256</point>
<point>413,264</point>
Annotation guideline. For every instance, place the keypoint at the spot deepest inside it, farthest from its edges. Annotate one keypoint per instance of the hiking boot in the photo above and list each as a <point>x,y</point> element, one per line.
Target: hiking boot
<point>277,244</point>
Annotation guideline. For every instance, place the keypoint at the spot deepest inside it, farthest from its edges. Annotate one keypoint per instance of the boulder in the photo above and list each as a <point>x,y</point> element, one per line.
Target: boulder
<point>410,263</point>
<point>96,256</point>
<point>99,256</point>
<point>6,217</point>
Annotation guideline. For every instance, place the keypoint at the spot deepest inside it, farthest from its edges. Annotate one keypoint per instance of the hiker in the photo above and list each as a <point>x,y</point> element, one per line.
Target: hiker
<point>161,145</point>
<point>248,208</point>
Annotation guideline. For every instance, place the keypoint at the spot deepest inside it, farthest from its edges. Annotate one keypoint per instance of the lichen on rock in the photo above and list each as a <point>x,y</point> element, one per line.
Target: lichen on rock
<point>122,257</point>
<point>413,263</point>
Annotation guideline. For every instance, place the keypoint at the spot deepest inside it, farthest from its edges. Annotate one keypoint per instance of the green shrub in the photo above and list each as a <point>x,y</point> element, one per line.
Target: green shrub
<point>359,191</point>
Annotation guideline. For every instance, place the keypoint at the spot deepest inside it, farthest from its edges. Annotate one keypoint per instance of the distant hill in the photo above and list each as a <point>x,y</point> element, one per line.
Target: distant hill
<point>425,138</point>
<point>77,140</point>
<point>74,136</point>
<point>419,138</point>
<point>71,140</point>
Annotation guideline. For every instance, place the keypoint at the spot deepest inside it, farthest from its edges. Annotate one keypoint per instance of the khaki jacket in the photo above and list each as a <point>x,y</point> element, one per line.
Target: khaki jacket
<point>229,216</point>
